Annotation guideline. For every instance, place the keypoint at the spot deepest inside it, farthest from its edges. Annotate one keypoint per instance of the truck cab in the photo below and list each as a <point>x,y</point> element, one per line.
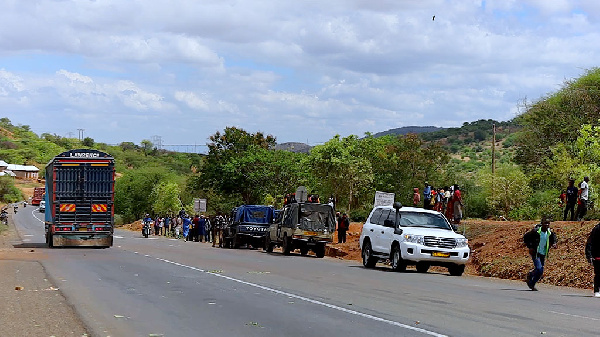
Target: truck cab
<point>249,225</point>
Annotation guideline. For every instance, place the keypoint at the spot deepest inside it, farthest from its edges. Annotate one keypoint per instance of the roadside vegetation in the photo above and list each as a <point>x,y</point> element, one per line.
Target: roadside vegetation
<point>554,138</point>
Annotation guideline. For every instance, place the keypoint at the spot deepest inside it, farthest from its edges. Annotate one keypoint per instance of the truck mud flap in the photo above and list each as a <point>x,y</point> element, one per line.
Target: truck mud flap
<point>59,240</point>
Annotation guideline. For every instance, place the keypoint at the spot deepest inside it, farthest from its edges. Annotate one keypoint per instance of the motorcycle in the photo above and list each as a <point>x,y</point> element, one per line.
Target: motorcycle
<point>146,229</point>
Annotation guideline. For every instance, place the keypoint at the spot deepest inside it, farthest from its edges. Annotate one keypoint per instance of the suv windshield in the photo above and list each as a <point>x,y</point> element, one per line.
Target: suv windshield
<point>415,219</point>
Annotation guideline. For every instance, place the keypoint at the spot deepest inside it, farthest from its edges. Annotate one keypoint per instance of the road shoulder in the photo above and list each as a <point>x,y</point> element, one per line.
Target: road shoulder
<point>33,305</point>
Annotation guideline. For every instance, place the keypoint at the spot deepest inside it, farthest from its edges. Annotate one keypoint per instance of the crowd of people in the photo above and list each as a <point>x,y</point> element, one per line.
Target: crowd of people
<point>447,200</point>
<point>182,226</point>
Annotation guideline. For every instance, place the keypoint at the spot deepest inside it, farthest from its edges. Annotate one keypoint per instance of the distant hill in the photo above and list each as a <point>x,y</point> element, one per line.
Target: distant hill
<point>294,147</point>
<point>408,129</point>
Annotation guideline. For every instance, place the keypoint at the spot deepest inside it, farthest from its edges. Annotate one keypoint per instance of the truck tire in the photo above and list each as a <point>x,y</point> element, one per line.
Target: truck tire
<point>287,245</point>
<point>268,244</point>
<point>50,240</point>
<point>369,261</point>
<point>320,250</point>
<point>235,242</point>
<point>456,269</point>
<point>398,264</point>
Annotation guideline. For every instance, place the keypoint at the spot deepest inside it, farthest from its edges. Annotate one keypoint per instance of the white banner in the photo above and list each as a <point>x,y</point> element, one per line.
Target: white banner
<point>200,205</point>
<point>384,198</point>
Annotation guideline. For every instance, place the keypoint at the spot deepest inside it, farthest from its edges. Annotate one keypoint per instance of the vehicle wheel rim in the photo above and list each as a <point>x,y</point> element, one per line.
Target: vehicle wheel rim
<point>395,259</point>
<point>366,253</point>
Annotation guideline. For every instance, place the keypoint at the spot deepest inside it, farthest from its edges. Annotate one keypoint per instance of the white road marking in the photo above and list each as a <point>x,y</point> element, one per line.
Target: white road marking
<point>577,316</point>
<point>118,237</point>
<point>309,300</point>
<point>38,219</point>
<point>28,235</point>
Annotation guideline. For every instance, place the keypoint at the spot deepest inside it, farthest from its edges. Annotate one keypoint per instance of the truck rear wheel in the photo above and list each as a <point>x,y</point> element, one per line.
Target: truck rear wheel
<point>50,243</point>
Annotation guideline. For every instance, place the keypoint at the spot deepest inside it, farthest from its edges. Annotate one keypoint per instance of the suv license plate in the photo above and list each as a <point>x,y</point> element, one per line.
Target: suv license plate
<point>440,254</point>
<point>310,233</point>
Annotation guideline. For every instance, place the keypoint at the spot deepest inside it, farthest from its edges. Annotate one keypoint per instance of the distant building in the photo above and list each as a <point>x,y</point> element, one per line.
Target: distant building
<point>23,171</point>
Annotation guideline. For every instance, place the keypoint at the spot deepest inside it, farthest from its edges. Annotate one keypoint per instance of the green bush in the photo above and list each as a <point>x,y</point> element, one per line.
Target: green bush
<point>8,191</point>
<point>359,214</point>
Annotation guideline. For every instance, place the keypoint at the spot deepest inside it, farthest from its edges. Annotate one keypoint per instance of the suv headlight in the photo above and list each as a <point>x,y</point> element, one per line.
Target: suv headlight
<point>414,238</point>
<point>462,243</point>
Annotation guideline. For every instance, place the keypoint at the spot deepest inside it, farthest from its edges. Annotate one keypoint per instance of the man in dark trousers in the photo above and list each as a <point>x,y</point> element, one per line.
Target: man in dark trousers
<point>572,193</point>
<point>539,240</point>
<point>592,254</point>
<point>343,225</point>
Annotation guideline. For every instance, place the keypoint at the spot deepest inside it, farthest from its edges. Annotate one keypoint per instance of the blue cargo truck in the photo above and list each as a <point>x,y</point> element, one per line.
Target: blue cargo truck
<point>80,187</point>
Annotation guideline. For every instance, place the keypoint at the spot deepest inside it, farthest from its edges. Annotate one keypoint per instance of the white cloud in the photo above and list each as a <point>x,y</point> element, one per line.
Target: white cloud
<point>310,68</point>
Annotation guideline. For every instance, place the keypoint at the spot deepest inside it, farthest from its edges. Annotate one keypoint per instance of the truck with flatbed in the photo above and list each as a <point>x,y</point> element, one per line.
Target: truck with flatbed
<point>80,199</point>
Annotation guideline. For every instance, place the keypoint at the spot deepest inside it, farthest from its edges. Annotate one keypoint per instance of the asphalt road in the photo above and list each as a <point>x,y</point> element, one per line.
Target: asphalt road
<point>165,287</point>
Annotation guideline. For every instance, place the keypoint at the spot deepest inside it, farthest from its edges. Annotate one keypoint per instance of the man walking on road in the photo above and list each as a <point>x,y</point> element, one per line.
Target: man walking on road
<point>539,240</point>
<point>592,254</point>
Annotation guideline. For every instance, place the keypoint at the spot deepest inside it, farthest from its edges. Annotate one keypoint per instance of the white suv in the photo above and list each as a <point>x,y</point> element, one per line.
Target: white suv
<point>421,237</point>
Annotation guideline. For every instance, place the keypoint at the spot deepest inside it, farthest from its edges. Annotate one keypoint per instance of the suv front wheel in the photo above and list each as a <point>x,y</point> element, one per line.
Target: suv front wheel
<point>398,264</point>
<point>367,255</point>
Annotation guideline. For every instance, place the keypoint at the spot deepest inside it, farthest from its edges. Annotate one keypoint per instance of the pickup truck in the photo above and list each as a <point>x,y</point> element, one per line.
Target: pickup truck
<point>304,226</point>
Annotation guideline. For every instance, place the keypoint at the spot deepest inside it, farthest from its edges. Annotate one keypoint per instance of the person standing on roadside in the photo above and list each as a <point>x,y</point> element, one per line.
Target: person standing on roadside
<point>207,228</point>
<point>571,200</point>
<point>196,227</point>
<point>201,228</point>
<point>177,223</point>
<point>427,196</point>
<point>187,223</point>
<point>583,197</point>
<point>416,197</point>
<point>538,241</point>
<point>592,254</point>
<point>458,205</point>
<point>343,226</point>
<point>167,224</point>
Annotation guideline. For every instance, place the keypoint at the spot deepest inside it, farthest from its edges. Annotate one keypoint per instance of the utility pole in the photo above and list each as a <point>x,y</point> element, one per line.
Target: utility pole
<point>493,148</point>
<point>81,133</point>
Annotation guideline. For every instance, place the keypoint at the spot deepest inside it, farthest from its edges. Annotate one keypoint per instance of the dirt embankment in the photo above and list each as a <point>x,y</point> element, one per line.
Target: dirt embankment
<point>498,251</point>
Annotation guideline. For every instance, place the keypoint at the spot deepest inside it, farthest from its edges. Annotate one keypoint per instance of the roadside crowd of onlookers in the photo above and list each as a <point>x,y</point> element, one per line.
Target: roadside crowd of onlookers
<point>447,200</point>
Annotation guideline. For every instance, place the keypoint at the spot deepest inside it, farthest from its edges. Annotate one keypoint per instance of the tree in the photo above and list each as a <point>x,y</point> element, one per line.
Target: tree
<point>133,191</point>
<point>339,170</point>
<point>165,198</point>
<point>556,119</point>
<point>147,146</point>
<point>87,141</point>
<point>238,162</point>
<point>507,189</point>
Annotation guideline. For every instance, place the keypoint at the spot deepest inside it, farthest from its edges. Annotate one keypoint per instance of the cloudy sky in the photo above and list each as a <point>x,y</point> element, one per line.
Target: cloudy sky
<point>299,70</point>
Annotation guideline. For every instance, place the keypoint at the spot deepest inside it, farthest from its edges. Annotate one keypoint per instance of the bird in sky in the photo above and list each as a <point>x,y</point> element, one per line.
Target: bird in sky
<point>433,18</point>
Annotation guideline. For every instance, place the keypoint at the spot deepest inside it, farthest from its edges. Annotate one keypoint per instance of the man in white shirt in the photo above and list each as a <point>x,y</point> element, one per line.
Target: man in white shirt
<point>584,197</point>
